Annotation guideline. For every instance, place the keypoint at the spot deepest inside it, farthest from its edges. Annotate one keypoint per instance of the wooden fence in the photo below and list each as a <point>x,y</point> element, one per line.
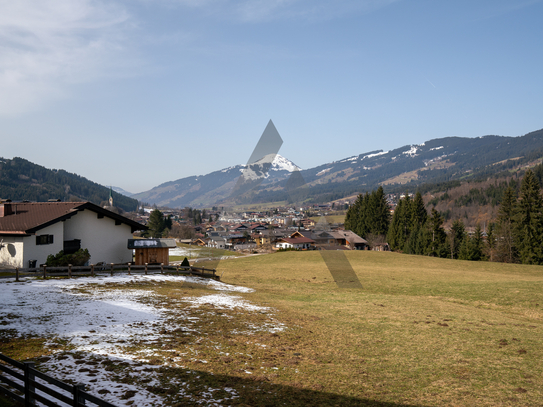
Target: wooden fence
<point>111,269</point>
<point>23,387</point>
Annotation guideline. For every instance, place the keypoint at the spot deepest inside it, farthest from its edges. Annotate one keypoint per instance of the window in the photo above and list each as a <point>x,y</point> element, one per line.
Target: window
<point>44,239</point>
<point>71,246</point>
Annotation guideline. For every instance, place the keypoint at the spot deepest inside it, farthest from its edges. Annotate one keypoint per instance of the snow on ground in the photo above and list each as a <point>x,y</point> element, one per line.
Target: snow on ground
<point>181,251</point>
<point>104,326</point>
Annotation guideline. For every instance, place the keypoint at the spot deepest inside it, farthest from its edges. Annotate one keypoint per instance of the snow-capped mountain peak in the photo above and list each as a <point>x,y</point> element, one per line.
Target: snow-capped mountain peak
<point>268,164</point>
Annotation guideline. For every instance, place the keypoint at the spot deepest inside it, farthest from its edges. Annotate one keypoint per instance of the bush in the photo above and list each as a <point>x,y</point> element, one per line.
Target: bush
<point>79,258</point>
<point>185,263</point>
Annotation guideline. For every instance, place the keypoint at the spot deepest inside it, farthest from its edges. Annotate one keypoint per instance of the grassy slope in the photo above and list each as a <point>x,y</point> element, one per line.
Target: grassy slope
<point>422,330</point>
<point>331,218</point>
<point>200,252</point>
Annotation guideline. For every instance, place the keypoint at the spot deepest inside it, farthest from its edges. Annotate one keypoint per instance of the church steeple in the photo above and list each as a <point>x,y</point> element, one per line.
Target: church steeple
<point>110,196</point>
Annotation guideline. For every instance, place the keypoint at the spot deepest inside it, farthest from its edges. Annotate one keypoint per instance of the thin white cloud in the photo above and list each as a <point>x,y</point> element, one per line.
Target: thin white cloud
<point>47,45</point>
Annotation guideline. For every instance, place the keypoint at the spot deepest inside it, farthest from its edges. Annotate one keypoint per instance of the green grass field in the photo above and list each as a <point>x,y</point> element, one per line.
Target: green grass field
<point>194,252</point>
<point>331,218</point>
<point>420,332</point>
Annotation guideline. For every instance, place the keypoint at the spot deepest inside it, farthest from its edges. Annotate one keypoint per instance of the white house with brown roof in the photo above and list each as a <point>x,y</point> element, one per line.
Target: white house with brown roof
<point>30,231</point>
<point>298,243</point>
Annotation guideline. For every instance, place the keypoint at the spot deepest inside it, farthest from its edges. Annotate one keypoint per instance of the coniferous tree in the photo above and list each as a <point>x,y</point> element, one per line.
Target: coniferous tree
<point>456,237</point>
<point>466,249</point>
<point>478,244</point>
<point>156,223</point>
<point>400,227</point>
<point>418,211</point>
<point>352,216</point>
<point>491,242</point>
<point>434,236</point>
<point>379,212</point>
<point>396,237</point>
<point>505,242</point>
<point>417,241</point>
<point>529,221</point>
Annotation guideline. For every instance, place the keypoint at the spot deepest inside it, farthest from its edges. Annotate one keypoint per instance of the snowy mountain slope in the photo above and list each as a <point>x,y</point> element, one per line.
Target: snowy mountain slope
<point>437,160</point>
<point>206,190</point>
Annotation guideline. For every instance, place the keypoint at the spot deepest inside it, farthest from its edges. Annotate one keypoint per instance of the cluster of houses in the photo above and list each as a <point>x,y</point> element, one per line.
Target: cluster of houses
<point>263,236</point>
<point>30,231</point>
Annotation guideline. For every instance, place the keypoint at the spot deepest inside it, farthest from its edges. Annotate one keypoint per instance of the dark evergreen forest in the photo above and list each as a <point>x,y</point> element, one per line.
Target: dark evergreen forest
<point>22,180</point>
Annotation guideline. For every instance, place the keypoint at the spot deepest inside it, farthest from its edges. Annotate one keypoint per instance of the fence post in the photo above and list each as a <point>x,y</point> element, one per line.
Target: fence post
<point>161,268</point>
<point>112,269</point>
<point>79,399</point>
<point>92,270</point>
<point>29,387</point>
<point>69,271</point>
<point>44,271</point>
<point>146,268</point>
<point>17,274</point>
<point>129,264</point>
<point>177,268</point>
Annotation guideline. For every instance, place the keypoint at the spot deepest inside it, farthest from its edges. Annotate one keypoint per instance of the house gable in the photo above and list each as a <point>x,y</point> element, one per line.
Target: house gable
<point>42,228</point>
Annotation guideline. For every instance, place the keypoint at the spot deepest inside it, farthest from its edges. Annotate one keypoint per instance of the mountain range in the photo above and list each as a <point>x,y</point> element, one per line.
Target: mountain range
<point>22,180</point>
<point>434,161</point>
<point>437,163</point>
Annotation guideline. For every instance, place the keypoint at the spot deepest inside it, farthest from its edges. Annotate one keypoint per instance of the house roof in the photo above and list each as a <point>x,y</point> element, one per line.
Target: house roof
<point>353,238</point>
<point>296,240</point>
<point>26,218</point>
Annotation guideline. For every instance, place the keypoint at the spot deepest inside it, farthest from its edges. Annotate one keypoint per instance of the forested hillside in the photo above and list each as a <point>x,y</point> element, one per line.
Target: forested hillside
<point>22,180</point>
<point>512,234</point>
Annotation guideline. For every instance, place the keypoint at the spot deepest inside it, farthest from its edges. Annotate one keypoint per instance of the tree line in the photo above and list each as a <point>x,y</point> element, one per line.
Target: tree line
<point>21,179</point>
<point>514,237</point>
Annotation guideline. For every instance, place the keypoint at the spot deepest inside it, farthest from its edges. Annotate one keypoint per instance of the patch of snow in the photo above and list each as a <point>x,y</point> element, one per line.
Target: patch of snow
<point>436,148</point>
<point>323,172</point>
<point>225,301</point>
<point>229,168</point>
<point>412,152</point>
<point>349,159</point>
<point>375,155</point>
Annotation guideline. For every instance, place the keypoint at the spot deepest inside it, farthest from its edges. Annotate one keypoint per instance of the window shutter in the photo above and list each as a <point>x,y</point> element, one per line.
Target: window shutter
<point>50,239</point>
<point>37,240</point>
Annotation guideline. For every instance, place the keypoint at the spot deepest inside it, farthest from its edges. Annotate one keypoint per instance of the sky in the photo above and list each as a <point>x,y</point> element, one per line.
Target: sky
<point>134,93</point>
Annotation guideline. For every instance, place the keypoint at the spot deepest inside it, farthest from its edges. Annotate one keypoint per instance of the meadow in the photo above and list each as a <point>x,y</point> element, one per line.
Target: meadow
<point>420,332</point>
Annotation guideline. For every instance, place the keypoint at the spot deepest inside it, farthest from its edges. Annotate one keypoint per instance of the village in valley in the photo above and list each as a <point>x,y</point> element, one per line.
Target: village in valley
<point>314,227</point>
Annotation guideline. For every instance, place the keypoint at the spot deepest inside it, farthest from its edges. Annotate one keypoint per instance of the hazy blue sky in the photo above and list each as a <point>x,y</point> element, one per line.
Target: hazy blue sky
<point>134,93</point>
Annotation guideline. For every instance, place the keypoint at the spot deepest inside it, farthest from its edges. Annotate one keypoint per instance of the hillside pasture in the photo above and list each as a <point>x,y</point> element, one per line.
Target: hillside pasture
<point>420,332</point>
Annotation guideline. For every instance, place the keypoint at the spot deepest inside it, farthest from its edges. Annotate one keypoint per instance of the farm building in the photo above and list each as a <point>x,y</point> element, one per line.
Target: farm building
<point>151,251</point>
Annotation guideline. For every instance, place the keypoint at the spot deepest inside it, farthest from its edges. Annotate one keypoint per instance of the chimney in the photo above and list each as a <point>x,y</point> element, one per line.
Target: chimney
<point>5,210</point>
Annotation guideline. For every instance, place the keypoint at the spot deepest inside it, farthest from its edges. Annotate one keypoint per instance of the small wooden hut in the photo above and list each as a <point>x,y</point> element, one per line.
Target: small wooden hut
<point>151,251</point>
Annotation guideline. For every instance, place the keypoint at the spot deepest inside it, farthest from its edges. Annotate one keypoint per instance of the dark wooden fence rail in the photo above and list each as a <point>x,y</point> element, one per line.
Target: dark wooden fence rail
<point>111,269</point>
<point>26,393</point>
